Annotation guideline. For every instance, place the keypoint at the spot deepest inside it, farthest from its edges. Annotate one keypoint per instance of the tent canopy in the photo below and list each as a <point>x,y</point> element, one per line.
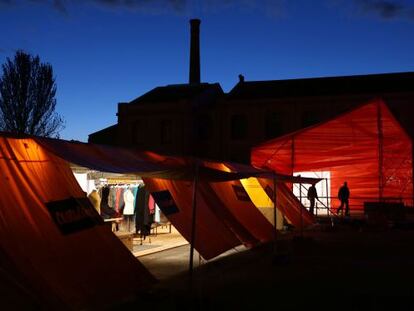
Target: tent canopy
<point>54,245</point>
<point>366,147</point>
<point>152,165</point>
<point>36,172</point>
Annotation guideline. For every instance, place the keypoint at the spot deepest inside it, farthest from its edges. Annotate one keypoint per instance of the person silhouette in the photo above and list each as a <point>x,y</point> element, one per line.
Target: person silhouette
<point>343,196</point>
<point>312,196</point>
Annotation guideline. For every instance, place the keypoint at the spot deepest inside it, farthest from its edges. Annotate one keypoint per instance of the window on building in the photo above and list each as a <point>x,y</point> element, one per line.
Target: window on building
<point>166,131</point>
<point>238,127</point>
<point>139,131</point>
<point>204,127</point>
<point>273,124</point>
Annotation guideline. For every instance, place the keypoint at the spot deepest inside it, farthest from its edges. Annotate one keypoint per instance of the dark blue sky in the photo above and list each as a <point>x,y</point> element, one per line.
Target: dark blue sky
<point>109,51</point>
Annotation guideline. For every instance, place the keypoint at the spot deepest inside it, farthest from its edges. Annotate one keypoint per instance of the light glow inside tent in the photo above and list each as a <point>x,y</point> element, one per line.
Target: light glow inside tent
<point>366,147</point>
<point>261,200</point>
<point>322,189</point>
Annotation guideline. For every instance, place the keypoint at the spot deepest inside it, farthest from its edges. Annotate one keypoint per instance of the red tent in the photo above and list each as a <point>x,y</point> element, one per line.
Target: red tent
<point>366,147</point>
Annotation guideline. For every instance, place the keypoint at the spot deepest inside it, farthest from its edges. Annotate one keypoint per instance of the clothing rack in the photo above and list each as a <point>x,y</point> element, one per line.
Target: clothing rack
<point>124,182</point>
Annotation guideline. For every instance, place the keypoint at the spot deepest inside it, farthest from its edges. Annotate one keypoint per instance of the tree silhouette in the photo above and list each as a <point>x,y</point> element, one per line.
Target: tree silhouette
<point>27,97</point>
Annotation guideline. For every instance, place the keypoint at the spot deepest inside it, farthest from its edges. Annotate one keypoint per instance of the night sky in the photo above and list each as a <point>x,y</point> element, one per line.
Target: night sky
<point>109,51</point>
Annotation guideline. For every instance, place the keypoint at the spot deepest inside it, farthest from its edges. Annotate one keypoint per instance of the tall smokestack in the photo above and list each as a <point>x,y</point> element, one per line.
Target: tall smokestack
<point>195,51</point>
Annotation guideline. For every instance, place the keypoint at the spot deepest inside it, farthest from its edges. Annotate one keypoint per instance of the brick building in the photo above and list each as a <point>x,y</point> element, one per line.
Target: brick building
<point>200,119</point>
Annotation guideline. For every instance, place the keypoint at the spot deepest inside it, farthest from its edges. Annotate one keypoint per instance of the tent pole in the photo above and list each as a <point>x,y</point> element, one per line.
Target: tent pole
<point>193,217</point>
<point>274,213</point>
<point>328,206</point>
<point>327,197</point>
<point>292,154</point>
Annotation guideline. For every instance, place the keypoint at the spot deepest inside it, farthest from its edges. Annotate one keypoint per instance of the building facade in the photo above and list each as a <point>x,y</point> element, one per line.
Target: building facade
<point>200,119</point>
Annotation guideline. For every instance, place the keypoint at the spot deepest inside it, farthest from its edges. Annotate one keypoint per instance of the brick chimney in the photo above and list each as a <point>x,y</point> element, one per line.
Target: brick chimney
<point>195,52</point>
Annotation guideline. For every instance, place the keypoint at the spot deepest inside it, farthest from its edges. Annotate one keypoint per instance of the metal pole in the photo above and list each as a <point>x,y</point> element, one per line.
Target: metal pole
<point>301,211</point>
<point>193,220</point>
<point>292,154</point>
<point>327,196</point>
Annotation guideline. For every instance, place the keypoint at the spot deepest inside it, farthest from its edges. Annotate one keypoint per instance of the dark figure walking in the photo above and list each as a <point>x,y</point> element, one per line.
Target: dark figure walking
<point>343,196</point>
<point>312,196</point>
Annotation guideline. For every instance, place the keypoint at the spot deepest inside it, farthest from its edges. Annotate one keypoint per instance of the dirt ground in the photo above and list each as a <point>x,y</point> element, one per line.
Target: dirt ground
<point>348,267</point>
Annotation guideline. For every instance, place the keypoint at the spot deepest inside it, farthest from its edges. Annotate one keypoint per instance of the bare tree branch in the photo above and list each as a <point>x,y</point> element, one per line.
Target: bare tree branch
<point>27,97</point>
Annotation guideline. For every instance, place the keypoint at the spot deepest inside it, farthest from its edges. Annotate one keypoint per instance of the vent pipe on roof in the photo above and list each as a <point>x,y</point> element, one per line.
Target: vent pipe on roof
<point>195,51</point>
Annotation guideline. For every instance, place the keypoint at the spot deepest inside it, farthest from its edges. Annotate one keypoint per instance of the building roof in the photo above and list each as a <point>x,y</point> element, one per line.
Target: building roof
<point>101,136</point>
<point>341,85</point>
<point>175,92</point>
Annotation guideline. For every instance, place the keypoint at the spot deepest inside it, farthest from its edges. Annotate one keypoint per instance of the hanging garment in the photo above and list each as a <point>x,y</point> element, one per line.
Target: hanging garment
<point>157,215</point>
<point>143,219</point>
<point>151,204</point>
<point>119,201</point>
<point>129,202</point>
<point>106,210</point>
<point>112,197</point>
<point>135,192</point>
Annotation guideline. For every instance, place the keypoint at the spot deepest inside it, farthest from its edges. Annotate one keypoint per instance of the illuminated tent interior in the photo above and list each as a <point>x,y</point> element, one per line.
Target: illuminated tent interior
<point>69,259</point>
<point>222,201</point>
<point>57,268</point>
<point>366,147</point>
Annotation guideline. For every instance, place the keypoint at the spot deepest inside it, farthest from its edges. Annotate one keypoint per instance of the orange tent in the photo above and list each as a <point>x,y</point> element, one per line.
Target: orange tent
<point>366,147</point>
<point>235,219</point>
<point>55,251</point>
<point>54,246</point>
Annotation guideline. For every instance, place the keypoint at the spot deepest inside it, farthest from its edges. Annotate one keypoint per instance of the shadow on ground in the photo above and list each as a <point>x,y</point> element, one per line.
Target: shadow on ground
<point>343,269</point>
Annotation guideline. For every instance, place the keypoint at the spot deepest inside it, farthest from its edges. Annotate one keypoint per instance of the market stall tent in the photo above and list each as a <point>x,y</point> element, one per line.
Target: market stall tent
<point>54,247</point>
<point>55,250</point>
<point>227,205</point>
<point>235,219</point>
<point>366,147</point>
<point>219,227</point>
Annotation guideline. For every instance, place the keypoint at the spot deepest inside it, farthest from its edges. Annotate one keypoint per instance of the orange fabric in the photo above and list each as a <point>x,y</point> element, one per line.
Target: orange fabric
<point>89,268</point>
<point>365,147</point>
<point>288,204</point>
<point>244,213</point>
<point>212,236</point>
